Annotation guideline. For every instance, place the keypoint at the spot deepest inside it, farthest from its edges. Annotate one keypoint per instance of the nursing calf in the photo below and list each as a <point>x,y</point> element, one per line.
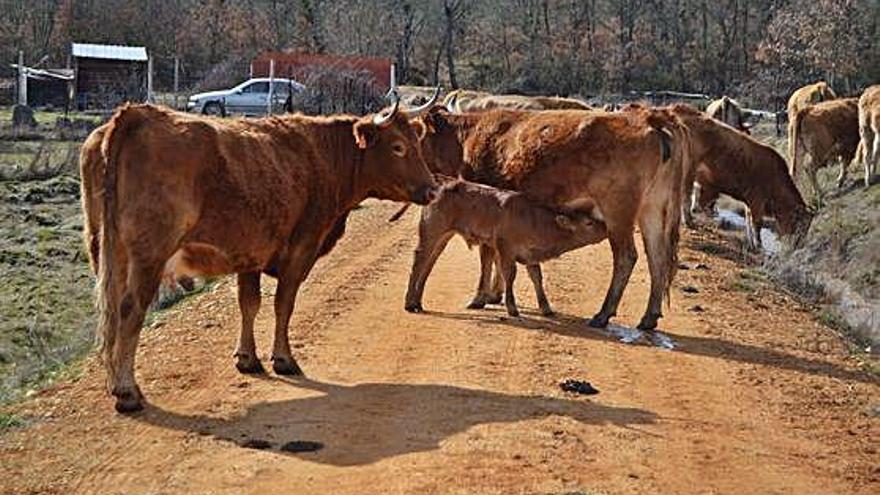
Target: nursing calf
<point>508,228</point>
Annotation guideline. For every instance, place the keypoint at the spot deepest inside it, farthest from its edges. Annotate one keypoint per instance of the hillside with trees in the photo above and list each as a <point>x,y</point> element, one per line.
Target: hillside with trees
<point>758,50</point>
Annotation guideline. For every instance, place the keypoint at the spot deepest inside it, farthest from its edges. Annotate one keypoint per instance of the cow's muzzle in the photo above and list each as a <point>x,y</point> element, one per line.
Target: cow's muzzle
<point>424,195</point>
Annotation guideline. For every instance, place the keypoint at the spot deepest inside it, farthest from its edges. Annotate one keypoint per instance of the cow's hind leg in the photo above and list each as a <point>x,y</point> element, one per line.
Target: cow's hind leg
<point>249,304</point>
<point>754,221</point>
<point>140,289</point>
<point>624,252</point>
<point>872,153</point>
<point>660,265</point>
<point>484,289</point>
<point>538,281</point>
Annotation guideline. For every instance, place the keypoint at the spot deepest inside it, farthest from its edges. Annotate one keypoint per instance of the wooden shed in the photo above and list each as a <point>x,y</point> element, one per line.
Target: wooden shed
<point>108,75</point>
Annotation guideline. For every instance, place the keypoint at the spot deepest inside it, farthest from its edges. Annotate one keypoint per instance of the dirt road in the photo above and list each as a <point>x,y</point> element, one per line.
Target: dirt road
<point>757,398</point>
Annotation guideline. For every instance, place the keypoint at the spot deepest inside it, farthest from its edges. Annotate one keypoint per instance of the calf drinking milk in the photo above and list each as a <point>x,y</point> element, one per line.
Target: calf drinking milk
<point>507,227</point>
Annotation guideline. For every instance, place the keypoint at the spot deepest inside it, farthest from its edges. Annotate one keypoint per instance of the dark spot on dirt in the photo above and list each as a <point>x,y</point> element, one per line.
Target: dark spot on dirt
<point>256,443</point>
<point>696,308</point>
<point>690,289</point>
<point>684,266</point>
<point>302,446</point>
<point>702,266</point>
<point>578,387</point>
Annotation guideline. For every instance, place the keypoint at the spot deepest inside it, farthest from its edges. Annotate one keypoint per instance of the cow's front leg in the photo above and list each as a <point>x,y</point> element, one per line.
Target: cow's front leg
<point>303,254</point>
<point>249,304</point>
<point>508,271</point>
<point>623,250</point>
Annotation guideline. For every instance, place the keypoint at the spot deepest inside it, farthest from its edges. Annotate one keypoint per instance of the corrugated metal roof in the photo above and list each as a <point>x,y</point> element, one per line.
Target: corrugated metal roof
<point>111,52</point>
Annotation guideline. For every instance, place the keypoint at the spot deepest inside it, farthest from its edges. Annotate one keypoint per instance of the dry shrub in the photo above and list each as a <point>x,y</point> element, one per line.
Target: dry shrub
<point>332,91</point>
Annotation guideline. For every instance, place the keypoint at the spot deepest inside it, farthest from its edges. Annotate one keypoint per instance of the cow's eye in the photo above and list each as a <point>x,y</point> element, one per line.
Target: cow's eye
<point>398,149</point>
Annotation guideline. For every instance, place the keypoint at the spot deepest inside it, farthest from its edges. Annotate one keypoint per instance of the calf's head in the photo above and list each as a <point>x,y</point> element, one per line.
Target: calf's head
<point>393,167</point>
<point>439,141</point>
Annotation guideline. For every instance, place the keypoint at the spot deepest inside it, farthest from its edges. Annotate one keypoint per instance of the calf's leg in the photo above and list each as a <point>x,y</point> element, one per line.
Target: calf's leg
<point>249,304</point>
<point>538,281</point>
<point>432,242</point>
<point>508,271</point>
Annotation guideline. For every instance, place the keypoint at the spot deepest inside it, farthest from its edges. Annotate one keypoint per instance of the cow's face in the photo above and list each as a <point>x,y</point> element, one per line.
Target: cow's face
<point>393,166</point>
<point>439,141</point>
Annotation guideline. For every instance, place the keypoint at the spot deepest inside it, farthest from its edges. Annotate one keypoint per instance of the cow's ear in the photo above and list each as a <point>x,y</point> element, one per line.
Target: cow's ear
<point>366,134</point>
<point>435,120</point>
<point>565,222</point>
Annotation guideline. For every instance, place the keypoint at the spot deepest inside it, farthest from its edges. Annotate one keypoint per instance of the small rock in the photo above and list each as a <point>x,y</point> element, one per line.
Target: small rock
<point>690,289</point>
<point>702,266</point>
<point>683,266</point>
<point>578,387</point>
<point>23,116</point>
<point>696,308</point>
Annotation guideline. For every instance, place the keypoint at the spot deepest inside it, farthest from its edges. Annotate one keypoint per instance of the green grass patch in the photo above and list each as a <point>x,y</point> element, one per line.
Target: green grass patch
<point>9,421</point>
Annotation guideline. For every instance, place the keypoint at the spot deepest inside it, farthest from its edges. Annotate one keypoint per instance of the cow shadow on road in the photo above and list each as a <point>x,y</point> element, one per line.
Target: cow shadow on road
<point>574,326</point>
<point>367,422</point>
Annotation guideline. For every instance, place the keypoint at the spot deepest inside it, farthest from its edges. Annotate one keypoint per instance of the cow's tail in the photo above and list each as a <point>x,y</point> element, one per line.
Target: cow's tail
<point>795,147</point>
<point>673,174</point>
<point>111,265</point>
<point>91,171</point>
<point>399,213</point>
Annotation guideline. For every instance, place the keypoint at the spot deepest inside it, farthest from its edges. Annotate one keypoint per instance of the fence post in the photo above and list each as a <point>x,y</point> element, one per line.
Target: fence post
<point>22,80</point>
<point>176,81</point>
<point>271,86</point>
<point>149,79</point>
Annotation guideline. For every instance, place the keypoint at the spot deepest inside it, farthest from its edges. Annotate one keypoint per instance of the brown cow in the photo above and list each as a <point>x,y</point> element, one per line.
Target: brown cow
<point>732,163</point>
<point>727,110</point>
<point>461,100</point>
<point>869,131</point>
<point>233,196</point>
<point>801,98</point>
<point>627,169</point>
<point>508,228</point>
<point>827,131</point>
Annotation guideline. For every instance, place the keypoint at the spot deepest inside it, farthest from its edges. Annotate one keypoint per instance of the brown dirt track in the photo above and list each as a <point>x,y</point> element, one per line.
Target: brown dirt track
<point>758,398</point>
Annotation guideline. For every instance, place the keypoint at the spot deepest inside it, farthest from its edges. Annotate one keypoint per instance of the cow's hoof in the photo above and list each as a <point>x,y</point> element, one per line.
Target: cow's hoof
<point>477,304</point>
<point>549,313</point>
<point>249,365</point>
<point>513,312</point>
<point>284,366</point>
<point>494,299</point>
<point>599,321</point>
<point>647,323</point>
<point>414,308</point>
<point>129,402</point>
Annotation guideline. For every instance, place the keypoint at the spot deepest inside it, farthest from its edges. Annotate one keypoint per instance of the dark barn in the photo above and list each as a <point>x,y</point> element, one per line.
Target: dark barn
<point>108,75</point>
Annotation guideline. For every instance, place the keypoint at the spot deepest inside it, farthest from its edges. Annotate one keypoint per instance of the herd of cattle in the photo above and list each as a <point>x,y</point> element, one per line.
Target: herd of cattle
<point>524,178</point>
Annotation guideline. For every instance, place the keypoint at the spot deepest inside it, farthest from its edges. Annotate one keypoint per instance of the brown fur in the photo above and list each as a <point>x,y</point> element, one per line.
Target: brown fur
<point>869,131</point>
<point>462,100</point>
<point>801,98</point>
<point>727,110</point>
<point>827,131</point>
<point>577,160</point>
<point>733,163</point>
<point>232,196</point>
<point>508,228</point>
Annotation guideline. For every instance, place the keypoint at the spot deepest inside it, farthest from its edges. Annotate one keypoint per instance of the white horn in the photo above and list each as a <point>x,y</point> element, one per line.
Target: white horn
<point>450,105</point>
<point>384,120</point>
<point>415,112</point>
